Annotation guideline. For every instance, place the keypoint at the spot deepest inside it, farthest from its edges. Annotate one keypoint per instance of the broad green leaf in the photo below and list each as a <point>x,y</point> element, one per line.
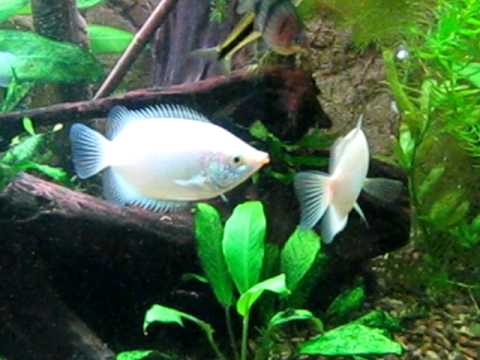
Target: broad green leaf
<point>259,131</point>
<point>25,150</point>
<point>107,39</point>
<point>298,256</point>
<point>315,140</point>
<point>406,145</point>
<point>10,7</point>
<point>209,235</point>
<point>349,340</point>
<point>244,244</point>
<point>133,355</point>
<point>430,181</point>
<point>166,315</point>
<point>448,210</point>
<point>347,302</point>
<point>378,319</point>
<point>248,298</point>
<point>81,4</point>
<point>287,316</point>
<point>28,125</point>
<point>16,92</point>
<point>37,58</point>
<point>55,173</point>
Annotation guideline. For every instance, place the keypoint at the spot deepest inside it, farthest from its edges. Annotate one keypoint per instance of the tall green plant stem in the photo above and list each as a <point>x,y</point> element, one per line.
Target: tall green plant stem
<point>209,333</point>
<point>231,335</point>
<point>246,319</point>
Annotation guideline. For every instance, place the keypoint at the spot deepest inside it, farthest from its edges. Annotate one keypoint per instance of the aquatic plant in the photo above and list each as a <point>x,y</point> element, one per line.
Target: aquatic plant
<point>241,269</point>
<point>437,90</point>
<point>30,151</point>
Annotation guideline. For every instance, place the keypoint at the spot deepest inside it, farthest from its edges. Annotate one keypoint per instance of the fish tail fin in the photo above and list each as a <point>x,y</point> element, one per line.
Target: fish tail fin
<point>89,150</point>
<point>332,224</point>
<point>312,192</point>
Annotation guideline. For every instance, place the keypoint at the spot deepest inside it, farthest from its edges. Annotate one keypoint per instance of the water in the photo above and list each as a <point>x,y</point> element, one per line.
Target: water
<point>84,278</point>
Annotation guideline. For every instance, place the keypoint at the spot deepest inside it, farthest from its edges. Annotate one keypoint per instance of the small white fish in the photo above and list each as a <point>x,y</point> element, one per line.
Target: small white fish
<point>163,157</point>
<point>332,196</point>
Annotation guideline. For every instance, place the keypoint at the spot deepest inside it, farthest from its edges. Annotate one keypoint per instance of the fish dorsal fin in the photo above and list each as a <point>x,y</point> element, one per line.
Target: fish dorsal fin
<point>119,116</point>
<point>338,148</point>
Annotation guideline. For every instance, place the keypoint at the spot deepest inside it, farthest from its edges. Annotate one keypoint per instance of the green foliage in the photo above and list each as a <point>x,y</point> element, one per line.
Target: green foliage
<point>436,88</point>
<point>346,303</point>
<point>275,284</point>
<point>209,235</point>
<point>107,39</point>
<point>290,157</point>
<point>81,4</point>
<point>9,8</point>
<point>298,256</point>
<point>218,10</point>
<point>134,355</point>
<point>351,339</point>
<point>37,58</point>
<point>243,244</point>
<point>242,262</point>
<point>379,319</point>
<point>30,152</point>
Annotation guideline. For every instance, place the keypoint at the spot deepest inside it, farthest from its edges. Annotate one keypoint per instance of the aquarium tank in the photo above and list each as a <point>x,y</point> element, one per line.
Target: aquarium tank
<point>239,179</point>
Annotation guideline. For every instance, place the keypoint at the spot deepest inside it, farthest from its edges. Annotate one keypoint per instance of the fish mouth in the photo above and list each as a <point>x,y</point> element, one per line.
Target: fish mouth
<point>264,159</point>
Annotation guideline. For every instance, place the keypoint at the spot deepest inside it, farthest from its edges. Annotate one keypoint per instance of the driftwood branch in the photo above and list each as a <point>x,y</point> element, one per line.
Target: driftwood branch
<point>285,99</point>
<point>135,47</point>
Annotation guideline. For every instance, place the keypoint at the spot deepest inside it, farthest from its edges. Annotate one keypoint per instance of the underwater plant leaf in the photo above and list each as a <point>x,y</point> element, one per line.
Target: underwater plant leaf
<point>259,131</point>
<point>289,315</point>
<point>81,4</point>
<point>316,139</point>
<point>347,302</point>
<point>162,314</point>
<point>275,284</point>
<point>16,92</point>
<point>349,340</point>
<point>430,181</point>
<point>24,151</point>
<point>209,235</point>
<point>379,319</point>
<point>28,125</point>
<point>37,58</point>
<point>133,355</point>
<point>107,39</point>
<point>298,256</point>
<point>449,210</point>
<point>471,72</point>
<point>405,147</point>
<point>9,8</point>
<point>196,277</point>
<point>244,244</point>
<point>55,173</point>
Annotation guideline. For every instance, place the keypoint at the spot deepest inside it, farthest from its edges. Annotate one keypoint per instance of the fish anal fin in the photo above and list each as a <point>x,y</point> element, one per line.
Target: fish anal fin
<point>117,190</point>
<point>332,224</point>
<point>383,189</point>
<point>359,211</point>
<point>312,193</point>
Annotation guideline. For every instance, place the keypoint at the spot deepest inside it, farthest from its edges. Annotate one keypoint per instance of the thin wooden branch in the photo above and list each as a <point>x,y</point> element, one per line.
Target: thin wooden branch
<point>285,99</point>
<point>134,49</point>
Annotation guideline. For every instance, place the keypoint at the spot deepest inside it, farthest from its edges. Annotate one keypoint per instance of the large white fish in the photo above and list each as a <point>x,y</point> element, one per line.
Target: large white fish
<point>332,196</point>
<point>163,157</point>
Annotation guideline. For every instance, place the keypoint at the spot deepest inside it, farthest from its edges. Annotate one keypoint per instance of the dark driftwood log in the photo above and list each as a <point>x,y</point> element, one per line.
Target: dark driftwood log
<point>36,323</point>
<point>284,99</point>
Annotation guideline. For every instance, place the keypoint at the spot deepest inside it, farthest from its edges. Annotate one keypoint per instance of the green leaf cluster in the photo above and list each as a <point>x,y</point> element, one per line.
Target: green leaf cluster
<point>30,152</point>
<point>233,257</point>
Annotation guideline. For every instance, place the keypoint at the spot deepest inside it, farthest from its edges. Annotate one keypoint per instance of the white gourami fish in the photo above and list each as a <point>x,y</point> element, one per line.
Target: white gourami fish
<point>163,157</point>
<point>332,196</point>
<point>7,61</point>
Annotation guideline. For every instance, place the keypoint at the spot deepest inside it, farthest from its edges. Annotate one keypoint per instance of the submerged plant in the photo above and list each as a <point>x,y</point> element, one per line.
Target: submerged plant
<point>241,268</point>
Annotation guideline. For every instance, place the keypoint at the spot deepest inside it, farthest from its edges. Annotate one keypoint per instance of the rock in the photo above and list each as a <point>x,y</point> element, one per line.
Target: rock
<point>431,355</point>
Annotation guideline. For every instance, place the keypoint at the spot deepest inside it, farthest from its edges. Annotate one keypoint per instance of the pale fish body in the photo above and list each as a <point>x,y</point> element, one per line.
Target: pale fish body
<point>163,157</point>
<point>7,61</point>
<point>332,196</point>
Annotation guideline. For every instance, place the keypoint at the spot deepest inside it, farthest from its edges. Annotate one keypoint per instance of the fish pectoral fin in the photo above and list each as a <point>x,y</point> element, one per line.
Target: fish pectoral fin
<point>383,189</point>
<point>359,211</point>
<point>311,188</point>
<point>195,181</point>
<point>332,224</point>
<point>224,198</point>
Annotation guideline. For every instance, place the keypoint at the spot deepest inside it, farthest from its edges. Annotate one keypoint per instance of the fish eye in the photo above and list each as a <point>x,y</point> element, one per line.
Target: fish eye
<point>237,160</point>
